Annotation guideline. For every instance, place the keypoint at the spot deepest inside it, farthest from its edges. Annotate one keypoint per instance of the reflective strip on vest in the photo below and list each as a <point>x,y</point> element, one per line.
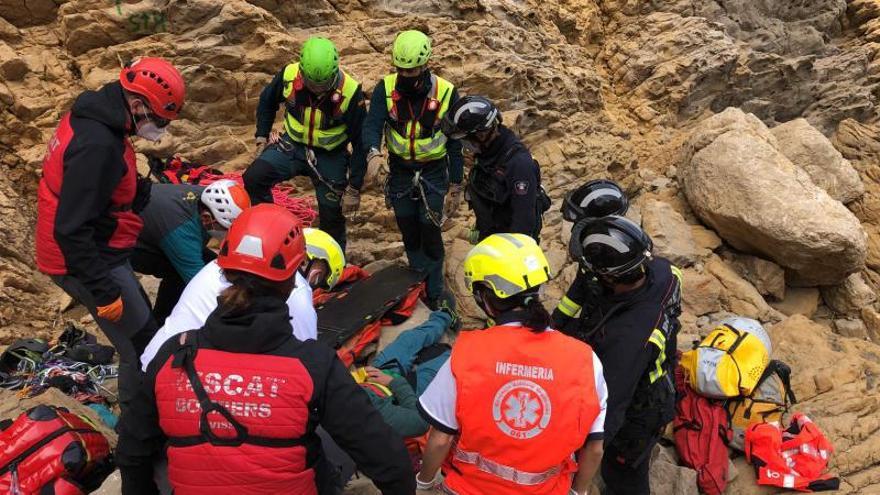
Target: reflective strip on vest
<point>412,147</point>
<point>505,472</point>
<point>309,132</point>
<point>568,307</point>
<point>658,339</point>
<point>676,271</point>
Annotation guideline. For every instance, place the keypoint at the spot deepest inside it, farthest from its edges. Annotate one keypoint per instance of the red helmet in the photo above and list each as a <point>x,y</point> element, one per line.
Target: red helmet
<point>159,82</point>
<point>266,240</point>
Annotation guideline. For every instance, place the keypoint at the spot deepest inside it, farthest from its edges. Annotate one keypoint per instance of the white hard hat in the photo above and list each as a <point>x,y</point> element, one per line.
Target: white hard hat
<point>226,200</point>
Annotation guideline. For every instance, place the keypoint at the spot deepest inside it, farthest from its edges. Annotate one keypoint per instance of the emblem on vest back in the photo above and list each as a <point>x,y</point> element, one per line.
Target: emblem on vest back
<point>521,409</point>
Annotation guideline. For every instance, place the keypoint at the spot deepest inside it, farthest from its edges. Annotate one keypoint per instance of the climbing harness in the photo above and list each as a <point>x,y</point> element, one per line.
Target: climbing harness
<point>312,161</point>
<point>416,192</point>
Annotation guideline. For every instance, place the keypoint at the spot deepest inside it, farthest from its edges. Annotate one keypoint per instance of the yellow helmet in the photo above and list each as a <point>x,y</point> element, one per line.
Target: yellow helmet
<point>508,263</point>
<point>319,245</point>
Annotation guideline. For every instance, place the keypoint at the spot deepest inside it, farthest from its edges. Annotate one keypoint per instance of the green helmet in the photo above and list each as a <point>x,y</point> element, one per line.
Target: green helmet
<point>319,60</point>
<point>411,49</point>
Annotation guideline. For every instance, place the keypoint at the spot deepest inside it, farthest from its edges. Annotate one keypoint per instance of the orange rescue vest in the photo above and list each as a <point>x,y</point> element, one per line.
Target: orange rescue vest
<point>525,403</point>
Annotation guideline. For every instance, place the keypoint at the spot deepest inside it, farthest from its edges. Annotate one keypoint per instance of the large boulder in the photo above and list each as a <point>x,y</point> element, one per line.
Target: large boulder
<point>739,183</point>
<point>810,150</point>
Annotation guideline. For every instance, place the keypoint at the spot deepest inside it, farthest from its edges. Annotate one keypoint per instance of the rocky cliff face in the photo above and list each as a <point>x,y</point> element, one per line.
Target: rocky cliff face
<point>769,216</point>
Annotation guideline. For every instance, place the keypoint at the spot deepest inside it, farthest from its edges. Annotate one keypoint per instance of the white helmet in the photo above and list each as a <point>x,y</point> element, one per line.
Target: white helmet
<point>751,326</point>
<point>226,200</point>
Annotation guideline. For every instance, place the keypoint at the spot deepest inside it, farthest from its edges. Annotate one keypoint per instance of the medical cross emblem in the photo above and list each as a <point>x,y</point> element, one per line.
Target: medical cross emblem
<point>521,409</point>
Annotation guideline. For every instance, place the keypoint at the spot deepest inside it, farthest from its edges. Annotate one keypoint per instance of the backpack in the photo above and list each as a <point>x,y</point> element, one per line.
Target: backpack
<point>727,363</point>
<point>50,450</point>
<point>700,431</point>
<point>768,403</point>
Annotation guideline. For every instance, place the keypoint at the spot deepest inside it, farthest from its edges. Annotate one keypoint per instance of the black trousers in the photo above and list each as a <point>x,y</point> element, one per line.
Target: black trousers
<point>172,284</point>
<point>627,460</point>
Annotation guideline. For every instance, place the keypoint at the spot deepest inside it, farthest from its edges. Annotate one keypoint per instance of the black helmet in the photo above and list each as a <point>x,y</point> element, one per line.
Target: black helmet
<point>611,246</point>
<point>469,115</point>
<point>597,198</point>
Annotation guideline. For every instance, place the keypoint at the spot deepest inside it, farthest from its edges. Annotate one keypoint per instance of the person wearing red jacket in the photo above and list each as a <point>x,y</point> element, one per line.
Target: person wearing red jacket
<point>89,199</point>
<point>238,402</point>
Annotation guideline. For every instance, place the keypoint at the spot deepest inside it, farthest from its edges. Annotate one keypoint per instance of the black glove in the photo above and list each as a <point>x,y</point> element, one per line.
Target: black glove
<point>142,195</point>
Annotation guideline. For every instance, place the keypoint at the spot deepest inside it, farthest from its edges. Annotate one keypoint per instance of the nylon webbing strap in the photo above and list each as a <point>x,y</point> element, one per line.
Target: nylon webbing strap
<point>505,472</point>
<point>185,358</point>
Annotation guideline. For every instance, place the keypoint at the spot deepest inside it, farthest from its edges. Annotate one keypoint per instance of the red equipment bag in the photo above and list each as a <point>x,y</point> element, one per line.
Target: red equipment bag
<point>701,430</point>
<point>48,450</point>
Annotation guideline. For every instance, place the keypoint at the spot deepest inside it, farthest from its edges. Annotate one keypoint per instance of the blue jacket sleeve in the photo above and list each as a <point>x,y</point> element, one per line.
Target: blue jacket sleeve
<point>271,96</point>
<point>453,151</point>
<point>354,120</point>
<point>374,125</point>
<point>183,247</point>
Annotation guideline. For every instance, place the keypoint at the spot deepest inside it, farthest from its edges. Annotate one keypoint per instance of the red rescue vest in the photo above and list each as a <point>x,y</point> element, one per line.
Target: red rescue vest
<point>262,450</point>
<point>795,458</point>
<point>525,403</point>
<point>50,259</point>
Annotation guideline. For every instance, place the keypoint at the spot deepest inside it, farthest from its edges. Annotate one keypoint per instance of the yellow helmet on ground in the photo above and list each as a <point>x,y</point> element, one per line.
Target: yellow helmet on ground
<point>508,263</point>
<point>320,245</point>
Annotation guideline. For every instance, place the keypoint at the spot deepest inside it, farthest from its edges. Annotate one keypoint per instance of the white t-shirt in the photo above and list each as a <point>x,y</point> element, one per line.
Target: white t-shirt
<point>439,399</point>
<point>199,300</point>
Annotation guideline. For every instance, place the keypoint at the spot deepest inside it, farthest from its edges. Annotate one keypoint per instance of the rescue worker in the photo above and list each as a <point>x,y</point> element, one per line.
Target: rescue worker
<point>323,113</point>
<point>239,400</point>
<point>504,186</point>
<point>178,223</point>
<point>633,326</point>
<point>407,107</point>
<point>325,267</point>
<point>199,300</point>
<point>89,199</point>
<point>516,401</point>
<point>596,198</point>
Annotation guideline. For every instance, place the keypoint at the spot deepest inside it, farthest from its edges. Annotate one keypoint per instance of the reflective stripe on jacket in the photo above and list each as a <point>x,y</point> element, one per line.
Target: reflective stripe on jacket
<point>312,125</point>
<point>525,403</point>
<point>412,140</point>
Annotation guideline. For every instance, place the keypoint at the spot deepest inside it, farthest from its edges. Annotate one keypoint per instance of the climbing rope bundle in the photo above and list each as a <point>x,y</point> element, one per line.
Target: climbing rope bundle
<point>75,364</point>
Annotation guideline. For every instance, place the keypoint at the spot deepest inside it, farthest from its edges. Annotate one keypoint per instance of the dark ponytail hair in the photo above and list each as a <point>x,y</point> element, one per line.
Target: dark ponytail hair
<point>537,317</point>
<point>247,286</point>
<point>525,307</point>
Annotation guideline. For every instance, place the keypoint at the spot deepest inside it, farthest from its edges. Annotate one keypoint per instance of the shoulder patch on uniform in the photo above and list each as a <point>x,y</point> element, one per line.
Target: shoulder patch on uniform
<point>521,187</point>
<point>190,196</point>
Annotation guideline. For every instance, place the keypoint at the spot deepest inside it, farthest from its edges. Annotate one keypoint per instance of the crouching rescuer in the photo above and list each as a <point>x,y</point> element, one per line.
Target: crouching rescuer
<point>238,401</point>
<point>518,408</point>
